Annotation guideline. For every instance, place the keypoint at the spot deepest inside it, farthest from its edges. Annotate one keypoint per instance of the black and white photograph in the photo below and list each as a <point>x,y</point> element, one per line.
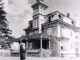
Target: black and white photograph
<point>39,29</point>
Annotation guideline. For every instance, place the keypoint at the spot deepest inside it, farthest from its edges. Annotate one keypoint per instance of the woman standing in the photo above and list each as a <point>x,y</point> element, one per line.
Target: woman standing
<point>22,52</point>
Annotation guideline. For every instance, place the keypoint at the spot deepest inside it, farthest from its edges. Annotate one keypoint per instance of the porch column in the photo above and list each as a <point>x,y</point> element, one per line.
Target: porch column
<point>19,49</point>
<point>27,45</point>
<point>49,44</point>
<point>41,46</point>
<point>26,48</point>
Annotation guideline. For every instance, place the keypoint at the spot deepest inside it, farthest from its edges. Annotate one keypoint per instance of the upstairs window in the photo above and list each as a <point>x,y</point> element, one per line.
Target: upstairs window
<point>61,47</point>
<point>31,24</point>
<point>76,37</point>
<point>73,22</point>
<point>71,34</point>
<point>52,16</point>
<point>60,17</point>
<point>36,32</point>
<point>49,18</point>
<point>49,31</point>
<point>35,23</point>
<point>31,33</point>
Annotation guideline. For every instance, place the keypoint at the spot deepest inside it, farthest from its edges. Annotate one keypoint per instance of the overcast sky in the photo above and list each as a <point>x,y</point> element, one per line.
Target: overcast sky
<point>19,12</point>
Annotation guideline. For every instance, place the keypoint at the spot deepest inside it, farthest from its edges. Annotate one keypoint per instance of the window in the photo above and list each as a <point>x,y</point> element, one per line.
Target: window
<point>31,33</point>
<point>61,47</point>
<point>49,31</point>
<point>35,23</point>
<point>72,22</point>
<point>62,55</point>
<point>52,15</point>
<point>60,16</point>
<point>44,31</point>
<point>35,32</point>
<point>29,45</point>
<point>76,37</point>
<point>49,18</point>
<point>31,24</point>
<point>71,33</point>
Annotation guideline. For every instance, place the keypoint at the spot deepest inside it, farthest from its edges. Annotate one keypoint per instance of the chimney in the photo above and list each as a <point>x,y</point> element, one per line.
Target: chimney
<point>68,14</point>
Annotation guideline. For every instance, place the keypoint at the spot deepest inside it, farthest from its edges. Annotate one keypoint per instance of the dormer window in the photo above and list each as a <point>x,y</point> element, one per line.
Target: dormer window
<point>49,18</point>
<point>59,16</point>
<point>52,16</point>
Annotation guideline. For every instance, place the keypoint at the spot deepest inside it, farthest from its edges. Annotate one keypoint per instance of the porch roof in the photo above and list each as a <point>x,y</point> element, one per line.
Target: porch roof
<point>21,39</point>
<point>41,36</point>
<point>38,37</point>
<point>45,37</point>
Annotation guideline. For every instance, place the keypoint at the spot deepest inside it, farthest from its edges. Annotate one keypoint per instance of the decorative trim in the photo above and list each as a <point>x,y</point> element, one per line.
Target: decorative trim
<point>55,22</point>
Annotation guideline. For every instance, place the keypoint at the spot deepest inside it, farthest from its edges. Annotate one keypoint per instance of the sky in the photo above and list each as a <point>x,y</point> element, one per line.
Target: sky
<point>19,12</point>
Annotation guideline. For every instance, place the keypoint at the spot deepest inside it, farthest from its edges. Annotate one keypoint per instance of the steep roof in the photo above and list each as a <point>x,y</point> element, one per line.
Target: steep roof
<point>39,3</point>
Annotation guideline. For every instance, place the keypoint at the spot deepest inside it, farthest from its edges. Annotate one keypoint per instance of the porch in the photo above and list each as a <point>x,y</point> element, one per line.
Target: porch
<point>38,46</point>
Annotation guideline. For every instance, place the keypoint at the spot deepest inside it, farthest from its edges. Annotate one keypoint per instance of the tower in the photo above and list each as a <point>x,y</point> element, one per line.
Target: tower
<point>39,0</point>
<point>39,12</point>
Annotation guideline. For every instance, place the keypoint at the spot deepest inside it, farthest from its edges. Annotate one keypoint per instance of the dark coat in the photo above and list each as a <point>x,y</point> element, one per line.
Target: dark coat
<point>22,53</point>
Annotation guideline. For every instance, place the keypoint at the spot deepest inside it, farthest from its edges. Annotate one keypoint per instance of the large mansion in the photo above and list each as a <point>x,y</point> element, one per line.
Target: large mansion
<point>53,34</point>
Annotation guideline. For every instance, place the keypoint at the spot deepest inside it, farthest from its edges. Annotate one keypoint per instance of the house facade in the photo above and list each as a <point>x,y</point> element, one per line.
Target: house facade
<point>53,34</point>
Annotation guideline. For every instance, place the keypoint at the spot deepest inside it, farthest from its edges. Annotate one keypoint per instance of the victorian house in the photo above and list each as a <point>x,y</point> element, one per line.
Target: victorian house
<point>53,34</point>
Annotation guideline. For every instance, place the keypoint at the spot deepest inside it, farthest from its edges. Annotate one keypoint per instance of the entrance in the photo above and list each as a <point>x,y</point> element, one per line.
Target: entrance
<point>45,44</point>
